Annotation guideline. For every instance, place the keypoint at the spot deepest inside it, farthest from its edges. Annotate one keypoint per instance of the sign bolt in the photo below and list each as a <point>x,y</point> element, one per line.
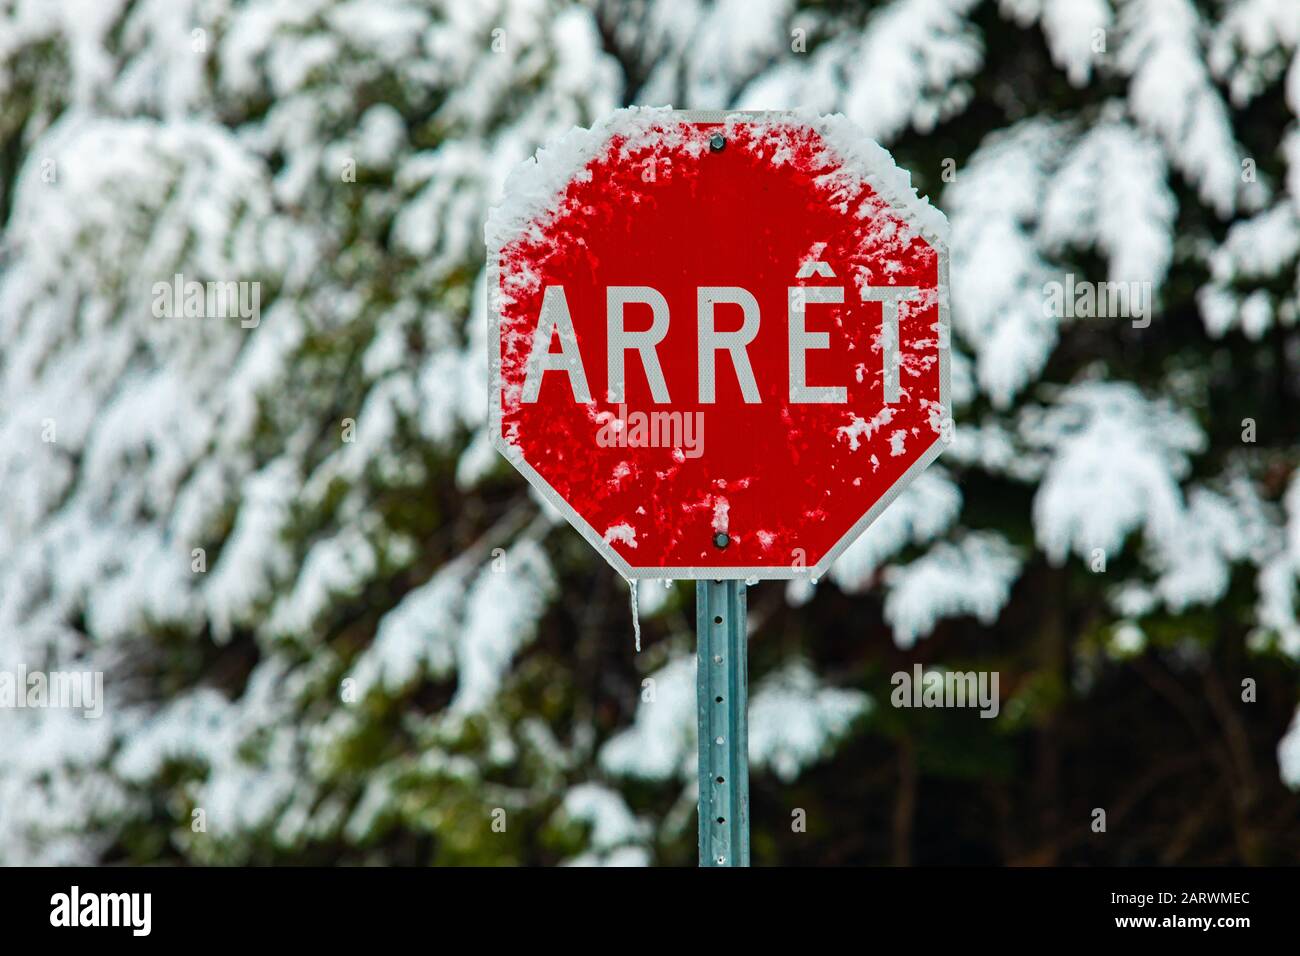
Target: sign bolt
<point>716,142</point>
<point>721,540</point>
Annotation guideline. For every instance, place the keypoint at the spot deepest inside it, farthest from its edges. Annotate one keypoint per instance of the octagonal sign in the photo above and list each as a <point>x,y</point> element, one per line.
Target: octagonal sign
<point>718,341</point>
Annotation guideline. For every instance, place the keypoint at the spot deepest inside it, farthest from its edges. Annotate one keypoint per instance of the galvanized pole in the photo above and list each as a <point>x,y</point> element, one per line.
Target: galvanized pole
<point>722,698</point>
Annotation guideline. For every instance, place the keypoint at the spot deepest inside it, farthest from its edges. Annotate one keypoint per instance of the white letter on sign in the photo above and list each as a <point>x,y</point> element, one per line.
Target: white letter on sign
<point>801,341</point>
<point>620,340</point>
<point>889,296</point>
<point>555,315</point>
<point>734,342</point>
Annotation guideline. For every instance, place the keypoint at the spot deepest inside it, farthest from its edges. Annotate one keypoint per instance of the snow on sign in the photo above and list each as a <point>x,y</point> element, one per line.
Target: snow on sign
<point>718,340</point>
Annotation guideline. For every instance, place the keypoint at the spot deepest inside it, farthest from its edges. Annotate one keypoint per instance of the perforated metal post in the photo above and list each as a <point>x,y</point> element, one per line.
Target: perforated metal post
<point>722,698</point>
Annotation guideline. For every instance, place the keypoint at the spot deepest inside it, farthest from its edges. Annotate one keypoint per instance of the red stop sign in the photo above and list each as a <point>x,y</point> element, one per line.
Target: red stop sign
<point>718,341</point>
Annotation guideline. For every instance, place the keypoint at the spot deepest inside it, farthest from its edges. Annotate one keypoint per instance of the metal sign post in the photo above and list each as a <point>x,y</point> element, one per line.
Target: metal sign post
<point>722,699</point>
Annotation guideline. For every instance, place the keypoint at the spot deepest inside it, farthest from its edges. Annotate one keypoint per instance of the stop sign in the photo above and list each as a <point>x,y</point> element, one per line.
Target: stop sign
<point>718,340</point>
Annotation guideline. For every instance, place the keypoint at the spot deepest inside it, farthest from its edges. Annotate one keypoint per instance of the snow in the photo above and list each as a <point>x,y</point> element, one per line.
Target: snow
<point>1249,45</point>
<point>635,604</point>
<point>435,224</point>
<point>973,576</point>
<point>1288,754</point>
<point>462,621</point>
<point>612,823</point>
<point>859,428</point>
<point>1111,193</point>
<point>1196,553</point>
<point>924,510</point>
<point>998,269</point>
<point>1128,639</point>
<point>624,856</point>
<point>794,720</point>
<point>623,533</point>
<point>856,159</point>
<point>721,510</point>
<point>533,189</point>
<point>206,728</point>
<point>416,637</point>
<point>733,39</point>
<point>1070,27</point>
<point>906,67</point>
<point>660,743</point>
<point>1291,504</point>
<point>501,615</point>
<point>174,435</point>
<point>1172,95</point>
<point>254,556</point>
<point>384,29</point>
<point>1278,609</point>
<point>1115,461</point>
<point>1256,250</point>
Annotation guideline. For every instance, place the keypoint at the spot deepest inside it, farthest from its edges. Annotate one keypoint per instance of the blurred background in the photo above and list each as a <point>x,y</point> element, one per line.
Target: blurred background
<point>335,627</point>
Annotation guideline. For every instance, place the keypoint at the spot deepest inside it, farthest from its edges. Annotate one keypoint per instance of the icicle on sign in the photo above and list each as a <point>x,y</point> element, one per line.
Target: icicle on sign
<point>719,341</point>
